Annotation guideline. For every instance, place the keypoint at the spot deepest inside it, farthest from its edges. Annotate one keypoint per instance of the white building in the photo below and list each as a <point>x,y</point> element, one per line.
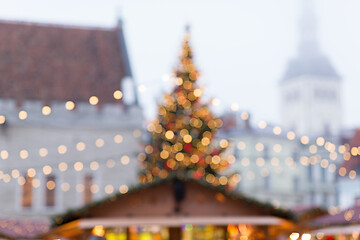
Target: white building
<point>280,168</point>
<point>348,178</point>
<point>311,87</point>
<point>69,152</point>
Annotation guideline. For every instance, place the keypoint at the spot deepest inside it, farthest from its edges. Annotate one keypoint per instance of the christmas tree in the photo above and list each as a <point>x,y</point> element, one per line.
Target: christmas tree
<point>183,135</point>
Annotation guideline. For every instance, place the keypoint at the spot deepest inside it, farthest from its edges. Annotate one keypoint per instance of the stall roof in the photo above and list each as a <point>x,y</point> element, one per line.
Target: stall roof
<point>163,188</point>
<point>345,217</point>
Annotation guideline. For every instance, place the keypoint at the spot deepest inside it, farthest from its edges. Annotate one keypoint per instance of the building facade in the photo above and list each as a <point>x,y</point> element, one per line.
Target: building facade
<point>348,175</point>
<point>70,123</point>
<point>281,168</point>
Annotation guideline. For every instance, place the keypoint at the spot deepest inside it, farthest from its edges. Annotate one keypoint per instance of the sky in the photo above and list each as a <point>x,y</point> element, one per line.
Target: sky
<point>241,47</point>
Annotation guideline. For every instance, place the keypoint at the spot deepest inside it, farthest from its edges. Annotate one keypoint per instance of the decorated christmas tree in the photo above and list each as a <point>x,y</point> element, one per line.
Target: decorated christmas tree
<point>183,135</point>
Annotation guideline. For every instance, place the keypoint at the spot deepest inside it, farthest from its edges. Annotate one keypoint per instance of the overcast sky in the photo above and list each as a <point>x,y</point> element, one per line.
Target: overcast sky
<point>241,46</point>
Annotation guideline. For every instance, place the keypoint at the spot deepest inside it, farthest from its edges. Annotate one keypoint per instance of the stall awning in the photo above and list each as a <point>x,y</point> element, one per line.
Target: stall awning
<point>338,230</point>
<point>178,221</point>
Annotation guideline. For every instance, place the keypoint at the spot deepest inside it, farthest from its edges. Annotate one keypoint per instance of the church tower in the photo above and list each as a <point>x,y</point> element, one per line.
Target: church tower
<point>310,87</point>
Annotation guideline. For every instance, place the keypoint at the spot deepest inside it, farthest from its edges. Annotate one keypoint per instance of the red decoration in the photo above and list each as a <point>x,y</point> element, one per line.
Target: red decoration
<point>188,147</point>
<point>198,174</point>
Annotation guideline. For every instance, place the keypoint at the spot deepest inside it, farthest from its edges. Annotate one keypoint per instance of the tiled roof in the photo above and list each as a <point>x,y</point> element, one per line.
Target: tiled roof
<point>60,63</point>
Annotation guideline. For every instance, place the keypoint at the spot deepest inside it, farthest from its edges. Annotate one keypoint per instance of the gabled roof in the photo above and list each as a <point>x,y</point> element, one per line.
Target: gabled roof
<point>86,211</point>
<point>60,63</point>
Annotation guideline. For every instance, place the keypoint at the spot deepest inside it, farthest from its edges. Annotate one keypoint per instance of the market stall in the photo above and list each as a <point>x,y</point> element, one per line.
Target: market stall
<point>172,209</point>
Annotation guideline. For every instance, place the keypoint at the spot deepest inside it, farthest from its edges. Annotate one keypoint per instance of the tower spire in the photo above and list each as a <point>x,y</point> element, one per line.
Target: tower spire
<point>308,28</point>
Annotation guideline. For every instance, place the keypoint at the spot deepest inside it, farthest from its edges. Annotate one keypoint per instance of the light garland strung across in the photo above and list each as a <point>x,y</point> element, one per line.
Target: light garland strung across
<point>15,173</point>
<point>69,105</point>
<point>93,100</point>
<point>63,149</point>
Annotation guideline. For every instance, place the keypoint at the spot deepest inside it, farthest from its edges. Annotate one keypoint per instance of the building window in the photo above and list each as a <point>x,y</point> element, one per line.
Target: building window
<point>292,96</point>
<point>237,154</point>
<point>266,152</point>
<point>310,172</point>
<point>295,156</point>
<point>50,191</point>
<point>323,175</point>
<point>27,193</point>
<point>88,182</point>
<point>312,198</point>
<point>325,94</point>
<point>325,200</point>
<point>296,184</point>
<point>267,182</point>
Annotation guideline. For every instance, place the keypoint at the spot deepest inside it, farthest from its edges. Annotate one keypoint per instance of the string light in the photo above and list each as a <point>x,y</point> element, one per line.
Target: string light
<point>94,165</point>
<point>244,116</point>
<point>259,147</point>
<point>277,130</point>
<point>110,163</point>
<point>99,142</point>
<point>2,119</point>
<point>65,186</point>
<point>50,185</point>
<point>304,140</point>
<point>80,187</point>
<point>31,172</point>
<point>80,146</point>
<point>234,107</point>
<point>93,100</point>
<point>118,138</point>
<point>69,105</point>
<point>4,154</point>
<point>43,152</point>
<point>62,149</point>
<point>109,189</point>
<point>47,170</point>
<point>123,189</point>
<point>330,168</point>
<point>118,94</point>
<point>290,135</point>
<point>262,124</point>
<point>125,160</point>
<point>142,88</point>
<point>241,145</point>
<point>22,115</point>
<point>78,166</point>
<point>63,166</point>
<point>46,110</point>
<point>24,154</point>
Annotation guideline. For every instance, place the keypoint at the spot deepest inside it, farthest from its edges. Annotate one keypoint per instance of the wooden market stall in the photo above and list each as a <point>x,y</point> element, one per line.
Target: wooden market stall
<point>172,209</point>
<point>343,225</point>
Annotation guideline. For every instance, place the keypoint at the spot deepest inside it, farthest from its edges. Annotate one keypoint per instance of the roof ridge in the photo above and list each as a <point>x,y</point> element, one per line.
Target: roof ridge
<point>56,25</point>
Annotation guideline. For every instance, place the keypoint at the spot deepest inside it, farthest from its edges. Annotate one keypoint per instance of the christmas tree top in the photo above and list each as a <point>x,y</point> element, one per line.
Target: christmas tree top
<point>183,135</point>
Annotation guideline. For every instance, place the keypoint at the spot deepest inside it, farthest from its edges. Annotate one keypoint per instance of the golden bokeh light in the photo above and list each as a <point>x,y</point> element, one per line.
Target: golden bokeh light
<point>69,105</point>
<point>2,119</point>
<point>93,100</point>
<point>80,146</point>
<point>46,110</point>
<point>23,115</point>
<point>118,94</point>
